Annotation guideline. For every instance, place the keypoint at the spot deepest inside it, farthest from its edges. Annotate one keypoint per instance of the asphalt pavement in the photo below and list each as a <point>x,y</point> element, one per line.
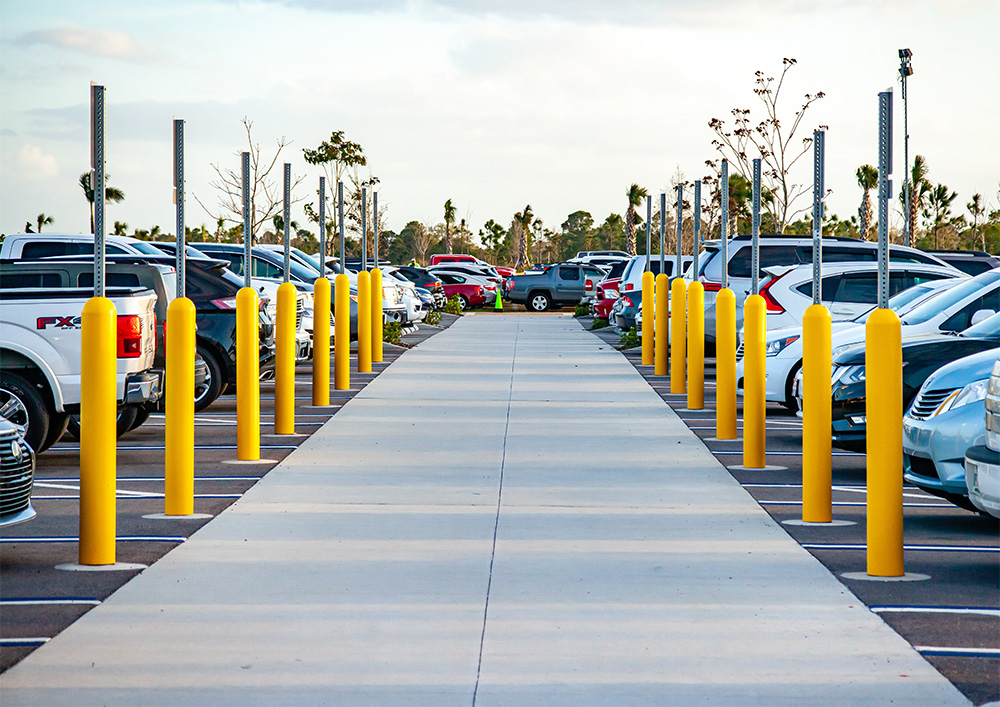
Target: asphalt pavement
<point>508,514</point>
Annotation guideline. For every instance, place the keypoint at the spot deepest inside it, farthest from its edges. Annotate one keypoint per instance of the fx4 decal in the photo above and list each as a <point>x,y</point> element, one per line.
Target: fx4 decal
<point>60,322</point>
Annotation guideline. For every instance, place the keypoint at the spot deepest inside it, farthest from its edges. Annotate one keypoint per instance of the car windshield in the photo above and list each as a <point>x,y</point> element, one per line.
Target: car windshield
<point>934,306</point>
<point>989,327</point>
<point>145,248</point>
<point>903,302</point>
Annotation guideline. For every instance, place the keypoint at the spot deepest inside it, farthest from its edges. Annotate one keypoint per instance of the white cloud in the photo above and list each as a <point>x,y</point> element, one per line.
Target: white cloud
<point>102,43</point>
<point>35,164</point>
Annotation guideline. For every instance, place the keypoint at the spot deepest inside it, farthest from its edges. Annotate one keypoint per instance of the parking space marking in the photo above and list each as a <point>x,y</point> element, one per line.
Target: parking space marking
<point>139,494</point>
<point>782,454</point>
<point>120,538</point>
<point>934,610</point>
<point>134,497</point>
<point>143,448</point>
<point>160,478</point>
<point>45,602</point>
<point>851,503</point>
<point>959,652</point>
<point>909,548</point>
<point>17,642</point>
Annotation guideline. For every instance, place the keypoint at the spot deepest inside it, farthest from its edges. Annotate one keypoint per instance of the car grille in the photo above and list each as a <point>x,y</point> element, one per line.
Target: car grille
<point>921,466</point>
<point>300,307</point>
<point>927,401</point>
<point>16,476</point>
<point>739,352</point>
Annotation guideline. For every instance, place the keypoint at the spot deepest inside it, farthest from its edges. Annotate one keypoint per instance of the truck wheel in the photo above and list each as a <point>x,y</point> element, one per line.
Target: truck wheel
<point>57,428</point>
<point>539,302</point>
<point>141,415</point>
<point>126,416</point>
<point>22,404</point>
<point>209,391</point>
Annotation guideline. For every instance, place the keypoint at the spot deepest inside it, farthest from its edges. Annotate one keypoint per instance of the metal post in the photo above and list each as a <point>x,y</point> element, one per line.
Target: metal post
<point>904,71</point>
<point>364,229</point>
<point>755,232</point>
<point>697,229</point>
<point>97,182</point>
<point>375,227</point>
<point>340,225</point>
<point>179,201</point>
<point>724,225</point>
<point>247,225</point>
<point>287,216</point>
<point>663,231</point>
<point>884,194</point>
<point>819,147</point>
<point>649,227</point>
<point>322,226</point>
<point>680,227</point>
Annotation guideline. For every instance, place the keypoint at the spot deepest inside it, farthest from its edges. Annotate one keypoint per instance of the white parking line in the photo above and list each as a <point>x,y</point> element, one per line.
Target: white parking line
<point>854,503</point>
<point>910,548</point>
<point>15,642</point>
<point>118,492</point>
<point>140,448</point>
<point>46,602</point>
<point>75,539</point>
<point>965,610</point>
<point>160,478</point>
<point>147,495</point>
<point>959,652</point>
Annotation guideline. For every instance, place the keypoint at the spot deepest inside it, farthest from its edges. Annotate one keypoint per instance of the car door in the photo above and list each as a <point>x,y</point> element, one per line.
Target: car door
<point>569,283</point>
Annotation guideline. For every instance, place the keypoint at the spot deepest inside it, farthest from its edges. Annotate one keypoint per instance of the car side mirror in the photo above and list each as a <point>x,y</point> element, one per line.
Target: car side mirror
<point>981,315</point>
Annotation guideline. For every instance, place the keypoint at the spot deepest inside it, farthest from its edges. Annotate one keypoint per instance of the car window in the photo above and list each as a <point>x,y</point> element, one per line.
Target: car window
<point>111,279</point>
<point>115,249</point>
<point>143,247</point>
<point>49,280</point>
<point>50,249</point>
<point>569,273</point>
<point>842,254</point>
<point>262,268</point>
<point>235,261</point>
<point>988,327</point>
<point>962,319</point>
<point>828,289</point>
<point>858,287</point>
<point>931,308</point>
<point>205,286</point>
<point>769,256</point>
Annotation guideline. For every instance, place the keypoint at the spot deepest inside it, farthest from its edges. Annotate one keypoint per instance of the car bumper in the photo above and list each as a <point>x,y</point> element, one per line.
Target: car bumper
<point>934,449</point>
<point>982,479</point>
<point>142,387</point>
<point>776,382</point>
<point>849,415</point>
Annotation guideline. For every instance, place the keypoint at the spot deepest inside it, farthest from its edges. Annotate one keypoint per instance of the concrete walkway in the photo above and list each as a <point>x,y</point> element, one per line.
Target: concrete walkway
<point>508,515</point>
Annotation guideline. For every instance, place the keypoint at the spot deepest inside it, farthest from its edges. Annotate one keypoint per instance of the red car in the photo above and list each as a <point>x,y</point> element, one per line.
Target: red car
<point>504,272</point>
<point>607,293</point>
<point>470,295</point>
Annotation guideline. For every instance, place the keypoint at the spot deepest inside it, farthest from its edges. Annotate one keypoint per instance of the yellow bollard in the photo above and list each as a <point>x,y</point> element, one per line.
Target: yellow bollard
<point>375,289</point>
<point>284,361</point>
<point>364,323</point>
<point>647,318</point>
<point>754,402</point>
<point>817,503</point>
<point>342,334</point>
<point>884,410</point>
<point>662,306</point>
<point>179,391</point>
<point>98,427</point>
<point>696,346</point>
<point>678,332</point>
<point>725,365</point>
<point>247,376</point>
<point>321,343</point>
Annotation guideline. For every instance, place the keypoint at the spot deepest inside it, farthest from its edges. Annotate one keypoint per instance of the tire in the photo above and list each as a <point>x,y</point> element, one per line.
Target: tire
<point>463,302</point>
<point>126,417</point>
<point>57,428</point>
<point>211,389</point>
<point>22,404</point>
<point>539,302</point>
<point>141,415</point>
<point>790,402</point>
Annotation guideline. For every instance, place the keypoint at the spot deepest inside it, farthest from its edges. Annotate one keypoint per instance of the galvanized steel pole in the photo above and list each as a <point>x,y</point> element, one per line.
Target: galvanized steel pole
<point>649,227</point>
<point>680,227</point>
<point>97,182</point>
<point>247,226</point>
<point>755,232</point>
<point>287,216</point>
<point>375,227</point>
<point>179,201</point>
<point>697,229</point>
<point>819,145</point>
<point>322,226</point>
<point>364,229</point>
<point>340,225</point>
<point>724,224</point>
<point>663,231</point>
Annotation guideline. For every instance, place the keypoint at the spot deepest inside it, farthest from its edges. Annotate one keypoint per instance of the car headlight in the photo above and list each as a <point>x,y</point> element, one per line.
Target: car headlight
<point>846,375</point>
<point>972,393</point>
<point>775,346</point>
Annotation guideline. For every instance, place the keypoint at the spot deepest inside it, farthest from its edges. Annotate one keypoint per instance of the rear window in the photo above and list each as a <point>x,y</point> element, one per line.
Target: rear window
<point>49,249</point>
<point>206,286</point>
<point>769,256</point>
<point>111,279</point>
<point>49,280</point>
<point>928,310</point>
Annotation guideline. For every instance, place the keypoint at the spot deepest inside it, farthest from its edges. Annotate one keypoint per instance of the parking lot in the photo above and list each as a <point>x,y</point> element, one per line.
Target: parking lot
<point>37,601</point>
<point>953,618</point>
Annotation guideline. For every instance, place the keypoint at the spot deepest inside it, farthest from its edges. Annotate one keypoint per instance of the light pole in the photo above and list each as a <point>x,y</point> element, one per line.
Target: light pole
<point>905,69</point>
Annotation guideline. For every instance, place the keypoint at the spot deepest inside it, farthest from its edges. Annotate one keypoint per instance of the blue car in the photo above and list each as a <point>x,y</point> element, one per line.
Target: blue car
<point>947,417</point>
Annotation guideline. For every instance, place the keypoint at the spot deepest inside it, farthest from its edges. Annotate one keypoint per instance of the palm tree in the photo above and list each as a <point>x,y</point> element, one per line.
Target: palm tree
<point>43,220</point>
<point>523,220</point>
<point>121,228</point>
<point>449,218</point>
<point>976,209</point>
<point>635,195</point>
<point>939,208</point>
<point>920,188</point>
<point>279,227</point>
<point>110,194</point>
<point>740,196</point>
<point>867,180</point>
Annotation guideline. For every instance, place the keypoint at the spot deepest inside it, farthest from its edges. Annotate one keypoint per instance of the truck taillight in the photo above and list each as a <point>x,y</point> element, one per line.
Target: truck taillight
<point>589,286</point>
<point>129,336</point>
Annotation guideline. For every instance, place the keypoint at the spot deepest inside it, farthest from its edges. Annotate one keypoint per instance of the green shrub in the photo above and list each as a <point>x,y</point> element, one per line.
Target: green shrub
<point>433,317</point>
<point>392,332</point>
<point>599,323</point>
<point>582,310</point>
<point>453,307</point>
<point>630,339</point>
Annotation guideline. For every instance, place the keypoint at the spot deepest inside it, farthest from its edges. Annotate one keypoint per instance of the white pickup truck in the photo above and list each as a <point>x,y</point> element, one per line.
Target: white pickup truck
<point>41,356</point>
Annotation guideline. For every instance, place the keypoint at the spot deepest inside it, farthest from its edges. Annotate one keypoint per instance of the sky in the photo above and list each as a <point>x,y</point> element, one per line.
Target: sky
<point>494,104</point>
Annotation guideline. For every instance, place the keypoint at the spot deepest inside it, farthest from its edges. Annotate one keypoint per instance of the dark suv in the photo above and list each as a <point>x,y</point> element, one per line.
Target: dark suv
<point>210,286</point>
